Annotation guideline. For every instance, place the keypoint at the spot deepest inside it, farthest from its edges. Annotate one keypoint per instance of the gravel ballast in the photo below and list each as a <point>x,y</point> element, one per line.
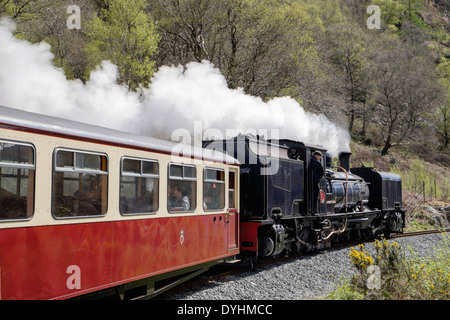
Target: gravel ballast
<point>306,277</point>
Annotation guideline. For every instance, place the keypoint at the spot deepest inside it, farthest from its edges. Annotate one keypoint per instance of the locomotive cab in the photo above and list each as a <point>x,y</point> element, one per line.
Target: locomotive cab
<point>304,152</point>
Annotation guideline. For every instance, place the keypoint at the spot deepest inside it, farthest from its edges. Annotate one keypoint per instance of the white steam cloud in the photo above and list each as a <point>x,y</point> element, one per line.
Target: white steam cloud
<point>29,81</point>
<point>177,98</point>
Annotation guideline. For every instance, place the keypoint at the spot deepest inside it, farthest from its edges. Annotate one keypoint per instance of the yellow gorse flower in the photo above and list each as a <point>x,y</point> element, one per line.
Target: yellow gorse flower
<point>360,258</point>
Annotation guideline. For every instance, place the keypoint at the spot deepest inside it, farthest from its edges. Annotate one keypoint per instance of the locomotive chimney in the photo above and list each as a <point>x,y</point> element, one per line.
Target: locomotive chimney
<point>344,160</point>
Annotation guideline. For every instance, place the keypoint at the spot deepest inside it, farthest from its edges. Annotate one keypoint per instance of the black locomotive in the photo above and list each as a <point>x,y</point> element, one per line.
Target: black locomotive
<point>278,214</point>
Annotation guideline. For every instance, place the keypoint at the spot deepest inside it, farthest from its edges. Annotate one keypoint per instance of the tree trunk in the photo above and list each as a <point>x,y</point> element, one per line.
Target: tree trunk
<point>387,145</point>
<point>352,117</point>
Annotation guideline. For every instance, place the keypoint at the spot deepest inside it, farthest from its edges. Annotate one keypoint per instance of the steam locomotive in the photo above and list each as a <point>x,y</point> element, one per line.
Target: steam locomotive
<point>277,204</point>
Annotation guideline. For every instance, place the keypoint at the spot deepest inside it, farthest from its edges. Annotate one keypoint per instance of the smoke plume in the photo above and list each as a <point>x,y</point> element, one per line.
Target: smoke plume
<point>178,97</point>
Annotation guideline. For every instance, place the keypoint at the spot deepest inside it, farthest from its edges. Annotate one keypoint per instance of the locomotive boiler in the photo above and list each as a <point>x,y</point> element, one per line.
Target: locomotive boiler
<point>277,203</point>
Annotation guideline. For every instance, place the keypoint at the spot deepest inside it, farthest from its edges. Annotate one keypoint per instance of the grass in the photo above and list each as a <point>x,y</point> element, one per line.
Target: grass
<point>424,177</point>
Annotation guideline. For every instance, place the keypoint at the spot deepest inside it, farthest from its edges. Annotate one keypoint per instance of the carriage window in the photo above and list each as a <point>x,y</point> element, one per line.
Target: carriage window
<point>213,189</point>
<point>80,181</point>
<point>139,186</point>
<point>17,167</point>
<point>231,190</point>
<point>182,188</point>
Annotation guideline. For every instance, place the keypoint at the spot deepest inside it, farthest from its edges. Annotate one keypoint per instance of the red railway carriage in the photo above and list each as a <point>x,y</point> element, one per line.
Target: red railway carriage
<point>86,210</point>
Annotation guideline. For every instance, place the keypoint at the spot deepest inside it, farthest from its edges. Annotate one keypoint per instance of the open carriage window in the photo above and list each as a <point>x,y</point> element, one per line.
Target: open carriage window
<point>17,172</point>
<point>80,181</point>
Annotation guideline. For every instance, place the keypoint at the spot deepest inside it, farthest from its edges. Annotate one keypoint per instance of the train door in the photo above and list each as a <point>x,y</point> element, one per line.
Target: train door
<point>232,214</point>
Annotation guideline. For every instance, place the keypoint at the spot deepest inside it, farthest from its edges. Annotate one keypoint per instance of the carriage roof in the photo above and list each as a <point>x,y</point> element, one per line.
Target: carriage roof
<point>39,123</point>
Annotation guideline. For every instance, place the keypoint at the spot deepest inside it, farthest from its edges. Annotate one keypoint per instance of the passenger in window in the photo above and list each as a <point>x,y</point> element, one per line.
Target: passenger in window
<point>124,201</point>
<point>211,197</point>
<point>89,188</point>
<point>178,200</point>
<point>144,202</point>
<point>208,197</point>
<point>207,203</point>
<point>12,206</point>
<point>89,196</point>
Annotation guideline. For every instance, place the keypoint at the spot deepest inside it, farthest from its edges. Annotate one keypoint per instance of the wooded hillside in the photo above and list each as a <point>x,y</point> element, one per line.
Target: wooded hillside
<point>383,72</point>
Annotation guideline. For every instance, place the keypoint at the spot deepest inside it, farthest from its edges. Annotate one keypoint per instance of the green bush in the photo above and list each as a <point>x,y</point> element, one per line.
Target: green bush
<point>421,179</point>
<point>399,278</point>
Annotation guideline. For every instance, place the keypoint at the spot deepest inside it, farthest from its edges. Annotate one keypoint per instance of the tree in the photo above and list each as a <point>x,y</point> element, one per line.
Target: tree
<point>263,46</point>
<point>15,8</point>
<point>391,12</point>
<point>406,89</point>
<point>125,34</point>
<point>46,20</point>
<point>277,51</point>
<point>442,118</point>
<point>188,29</point>
<point>350,54</point>
<point>411,8</point>
<point>443,123</point>
<point>395,12</point>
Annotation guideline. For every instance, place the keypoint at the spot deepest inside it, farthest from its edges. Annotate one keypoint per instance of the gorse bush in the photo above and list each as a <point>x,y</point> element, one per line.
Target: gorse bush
<point>432,276</point>
<point>389,257</point>
<point>360,258</point>
<point>388,274</point>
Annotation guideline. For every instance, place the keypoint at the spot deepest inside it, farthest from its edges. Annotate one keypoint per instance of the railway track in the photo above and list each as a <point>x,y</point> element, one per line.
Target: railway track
<point>418,233</point>
<point>223,271</point>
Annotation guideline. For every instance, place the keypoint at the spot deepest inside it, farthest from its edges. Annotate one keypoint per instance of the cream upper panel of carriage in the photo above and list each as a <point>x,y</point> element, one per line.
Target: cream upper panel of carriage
<point>76,181</point>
